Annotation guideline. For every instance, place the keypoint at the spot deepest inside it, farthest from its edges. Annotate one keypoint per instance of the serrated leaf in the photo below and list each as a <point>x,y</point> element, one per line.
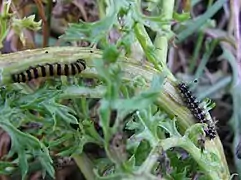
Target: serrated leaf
<point>46,162</point>
<point>170,127</point>
<point>58,110</point>
<point>27,22</point>
<point>92,32</point>
<point>21,142</point>
<point>132,125</point>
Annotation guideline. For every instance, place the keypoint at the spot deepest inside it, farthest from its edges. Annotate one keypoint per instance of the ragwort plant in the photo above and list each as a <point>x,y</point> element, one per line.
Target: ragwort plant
<point>120,118</point>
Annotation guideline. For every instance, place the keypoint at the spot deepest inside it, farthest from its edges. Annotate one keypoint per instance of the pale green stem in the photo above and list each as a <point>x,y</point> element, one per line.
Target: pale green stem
<point>101,7</point>
<point>161,41</point>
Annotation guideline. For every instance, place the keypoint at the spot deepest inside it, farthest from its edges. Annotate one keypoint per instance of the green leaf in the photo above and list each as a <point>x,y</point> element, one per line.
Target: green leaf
<point>92,32</point>
<point>142,152</point>
<point>181,17</point>
<point>27,22</point>
<point>6,168</point>
<point>64,112</point>
<point>23,163</point>
<point>21,142</point>
<point>111,54</point>
<point>170,127</point>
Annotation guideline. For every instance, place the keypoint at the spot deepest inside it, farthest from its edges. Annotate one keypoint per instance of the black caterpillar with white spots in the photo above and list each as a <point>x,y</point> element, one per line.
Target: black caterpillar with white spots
<point>197,111</point>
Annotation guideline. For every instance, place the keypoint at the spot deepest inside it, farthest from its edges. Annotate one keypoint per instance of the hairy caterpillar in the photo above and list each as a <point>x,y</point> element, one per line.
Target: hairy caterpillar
<point>48,70</point>
<point>198,112</point>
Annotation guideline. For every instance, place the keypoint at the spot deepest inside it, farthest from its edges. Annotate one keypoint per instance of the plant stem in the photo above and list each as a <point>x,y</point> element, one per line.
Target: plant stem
<point>205,59</point>
<point>85,165</point>
<point>196,52</point>
<point>101,7</point>
<point>149,50</point>
<point>147,45</point>
<point>161,41</point>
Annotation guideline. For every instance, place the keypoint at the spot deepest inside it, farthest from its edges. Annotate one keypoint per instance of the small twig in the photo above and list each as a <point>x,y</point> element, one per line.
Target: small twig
<point>45,23</point>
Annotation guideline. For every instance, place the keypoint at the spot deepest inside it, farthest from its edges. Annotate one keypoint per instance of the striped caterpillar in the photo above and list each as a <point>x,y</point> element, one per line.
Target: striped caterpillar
<point>48,70</point>
<point>197,111</point>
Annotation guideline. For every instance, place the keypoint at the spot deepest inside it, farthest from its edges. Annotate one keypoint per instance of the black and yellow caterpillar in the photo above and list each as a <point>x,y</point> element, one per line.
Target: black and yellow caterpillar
<point>48,70</point>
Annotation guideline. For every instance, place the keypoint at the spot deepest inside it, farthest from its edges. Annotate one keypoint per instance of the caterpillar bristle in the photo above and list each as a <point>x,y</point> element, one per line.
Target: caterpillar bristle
<point>48,70</point>
<point>197,111</point>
